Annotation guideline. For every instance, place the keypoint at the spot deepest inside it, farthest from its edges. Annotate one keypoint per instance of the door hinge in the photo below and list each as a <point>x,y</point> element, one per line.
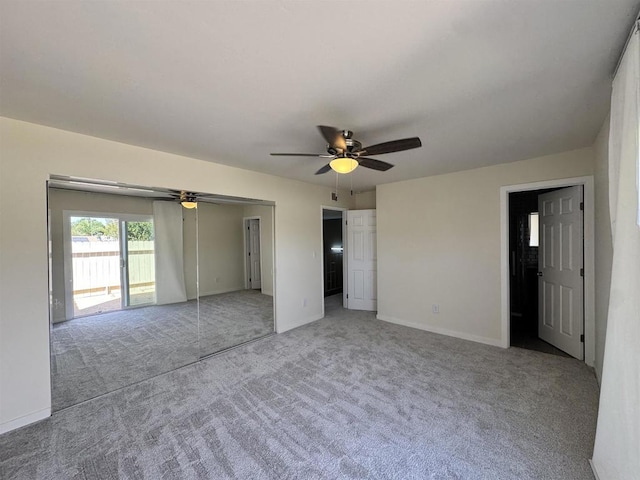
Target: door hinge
<point>347,295</point>
<point>582,338</point>
<point>582,272</point>
<point>249,253</point>
<point>581,205</point>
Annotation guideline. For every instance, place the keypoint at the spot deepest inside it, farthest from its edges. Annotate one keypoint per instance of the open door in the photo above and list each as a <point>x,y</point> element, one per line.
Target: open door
<point>361,260</point>
<point>560,270</point>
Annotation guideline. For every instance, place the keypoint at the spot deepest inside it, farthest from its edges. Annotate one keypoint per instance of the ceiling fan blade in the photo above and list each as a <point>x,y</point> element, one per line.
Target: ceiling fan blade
<point>393,146</point>
<point>316,155</point>
<point>324,169</point>
<point>333,136</point>
<point>374,164</point>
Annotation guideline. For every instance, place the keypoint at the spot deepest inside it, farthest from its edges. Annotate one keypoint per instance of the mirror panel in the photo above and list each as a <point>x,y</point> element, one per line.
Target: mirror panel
<point>126,266</point>
<point>235,274</point>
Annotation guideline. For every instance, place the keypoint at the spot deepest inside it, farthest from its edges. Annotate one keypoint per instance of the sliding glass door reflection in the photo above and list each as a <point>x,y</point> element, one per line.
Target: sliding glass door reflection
<point>112,264</point>
<point>108,329</point>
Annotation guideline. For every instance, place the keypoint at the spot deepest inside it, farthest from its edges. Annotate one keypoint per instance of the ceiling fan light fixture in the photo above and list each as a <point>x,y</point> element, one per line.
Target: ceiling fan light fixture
<point>343,164</point>
<point>189,204</point>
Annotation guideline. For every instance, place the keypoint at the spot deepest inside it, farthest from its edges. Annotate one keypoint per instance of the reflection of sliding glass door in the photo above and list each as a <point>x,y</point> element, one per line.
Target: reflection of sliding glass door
<point>138,272</point>
<point>109,263</point>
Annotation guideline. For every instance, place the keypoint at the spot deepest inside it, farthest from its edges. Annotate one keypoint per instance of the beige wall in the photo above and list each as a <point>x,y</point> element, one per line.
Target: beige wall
<point>439,243</point>
<point>220,248</point>
<point>603,242</point>
<point>366,200</point>
<point>30,153</point>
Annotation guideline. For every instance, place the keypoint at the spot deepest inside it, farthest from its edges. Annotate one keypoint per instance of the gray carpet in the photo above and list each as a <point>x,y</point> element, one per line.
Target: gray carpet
<point>229,319</point>
<point>98,354</point>
<point>344,397</point>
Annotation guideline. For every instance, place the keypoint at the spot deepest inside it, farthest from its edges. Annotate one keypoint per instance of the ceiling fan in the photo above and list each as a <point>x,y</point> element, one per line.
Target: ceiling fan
<point>346,153</point>
<point>188,200</point>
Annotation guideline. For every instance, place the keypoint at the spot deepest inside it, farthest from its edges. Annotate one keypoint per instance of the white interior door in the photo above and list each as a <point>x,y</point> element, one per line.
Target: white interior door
<point>361,260</point>
<point>255,274</point>
<point>560,270</point>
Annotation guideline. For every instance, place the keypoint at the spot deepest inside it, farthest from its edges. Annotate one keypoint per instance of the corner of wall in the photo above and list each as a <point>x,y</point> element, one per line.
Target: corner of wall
<point>603,242</point>
<point>365,200</point>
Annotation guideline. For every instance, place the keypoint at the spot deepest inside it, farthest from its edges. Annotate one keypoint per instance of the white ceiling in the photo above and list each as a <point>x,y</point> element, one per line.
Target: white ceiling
<point>481,82</point>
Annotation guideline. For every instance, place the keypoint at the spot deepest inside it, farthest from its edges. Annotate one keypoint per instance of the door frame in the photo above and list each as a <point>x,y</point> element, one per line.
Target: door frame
<point>344,253</point>
<point>245,225</point>
<point>589,256</point>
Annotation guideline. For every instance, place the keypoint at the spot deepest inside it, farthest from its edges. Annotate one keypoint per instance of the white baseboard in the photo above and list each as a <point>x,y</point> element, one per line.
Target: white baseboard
<point>593,468</point>
<point>24,420</point>
<point>442,331</point>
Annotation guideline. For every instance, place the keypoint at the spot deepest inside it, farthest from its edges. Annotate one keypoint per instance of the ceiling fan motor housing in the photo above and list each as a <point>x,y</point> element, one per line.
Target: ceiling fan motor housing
<point>352,146</point>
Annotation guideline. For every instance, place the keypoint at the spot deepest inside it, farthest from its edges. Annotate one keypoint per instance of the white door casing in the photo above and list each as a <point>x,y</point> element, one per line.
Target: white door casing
<point>362,260</point>
<point>560,267</point>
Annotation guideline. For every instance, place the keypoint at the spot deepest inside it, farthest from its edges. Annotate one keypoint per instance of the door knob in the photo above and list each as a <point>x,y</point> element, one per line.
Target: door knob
<point>539,274</point>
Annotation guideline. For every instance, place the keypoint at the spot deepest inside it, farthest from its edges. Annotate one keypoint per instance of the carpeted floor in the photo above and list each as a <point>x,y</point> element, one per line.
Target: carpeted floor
<point>98,354</point>
<point>344,397</point>
<point>229,319</point>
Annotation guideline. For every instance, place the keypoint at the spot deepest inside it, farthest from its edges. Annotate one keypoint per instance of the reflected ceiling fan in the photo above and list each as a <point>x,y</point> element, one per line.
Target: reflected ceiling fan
<point>346,153</point>
<point>188,200</point>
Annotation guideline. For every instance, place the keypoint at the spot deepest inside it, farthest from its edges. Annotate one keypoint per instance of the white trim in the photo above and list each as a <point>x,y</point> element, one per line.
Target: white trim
<point>495,342</point>
<point>589,257</point>
<point>25,420</point>
<point>593,469</point>
<point>344,253</point>
<point>273,266</point>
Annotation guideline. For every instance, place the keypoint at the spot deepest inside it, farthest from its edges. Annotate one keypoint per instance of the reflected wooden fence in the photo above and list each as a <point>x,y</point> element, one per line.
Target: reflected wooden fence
<point>96,266</point>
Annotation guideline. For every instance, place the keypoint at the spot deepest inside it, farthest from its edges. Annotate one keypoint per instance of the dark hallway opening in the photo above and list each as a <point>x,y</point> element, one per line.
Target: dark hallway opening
<point>332,245</point>
<point>523,268</point>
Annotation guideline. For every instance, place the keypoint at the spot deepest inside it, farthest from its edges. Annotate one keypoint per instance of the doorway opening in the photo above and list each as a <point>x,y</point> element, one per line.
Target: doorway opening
<point>333,254</point>
<point>547,267</point>
<point>524,252</point>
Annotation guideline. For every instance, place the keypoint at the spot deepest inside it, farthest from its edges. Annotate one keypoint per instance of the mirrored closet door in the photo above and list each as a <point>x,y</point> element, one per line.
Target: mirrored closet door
<point>235,274</point>
<point>130,267</point>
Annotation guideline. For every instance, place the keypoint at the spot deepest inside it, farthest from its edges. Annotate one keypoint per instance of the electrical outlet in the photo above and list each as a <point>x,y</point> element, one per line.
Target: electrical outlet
<point>435,308</point>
